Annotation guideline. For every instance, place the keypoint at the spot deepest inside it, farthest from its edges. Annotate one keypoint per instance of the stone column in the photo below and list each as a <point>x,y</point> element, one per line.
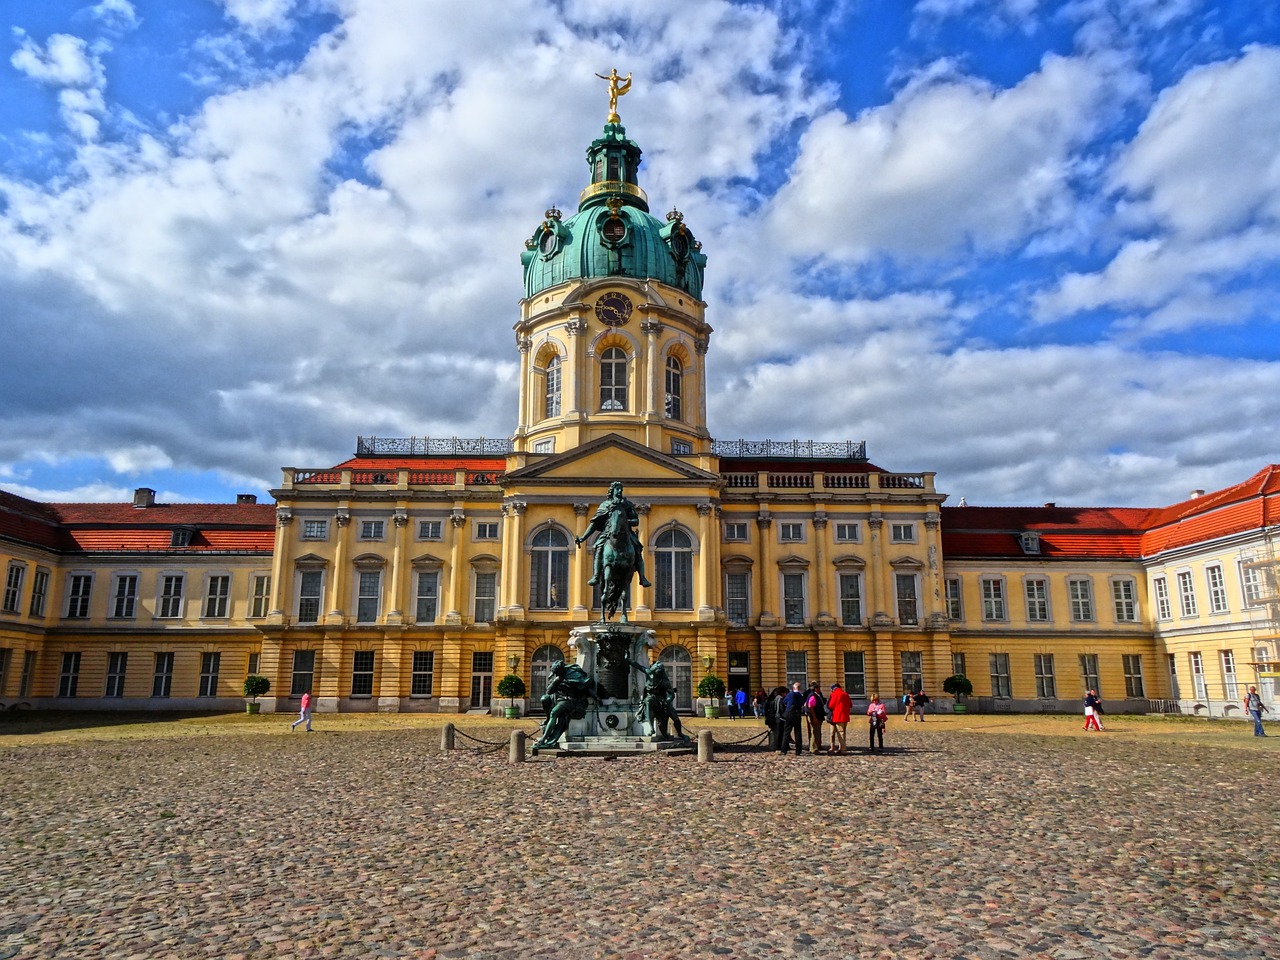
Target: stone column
<point>651,329</point>
<point>513,559</point>
<point>396,587</point>
<point>700,347</point>
<point>821,574</point>
<point>579,590</point>
<point>639,608</point>
<point>527,393</point>
<point>768,568</point>
<point>456,574</point>
<point>876,576</point>
<point>338,586</point>
<point>576,375</point>
<point>706,597</point>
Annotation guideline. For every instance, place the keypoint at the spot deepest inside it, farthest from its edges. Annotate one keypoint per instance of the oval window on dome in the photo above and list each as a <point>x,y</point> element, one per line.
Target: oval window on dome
<point>680,245</point>
<point>613,229</point>
<point>550,243</point>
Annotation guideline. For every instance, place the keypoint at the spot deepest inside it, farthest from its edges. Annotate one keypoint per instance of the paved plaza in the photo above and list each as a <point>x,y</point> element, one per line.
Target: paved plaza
<point>356,841</point>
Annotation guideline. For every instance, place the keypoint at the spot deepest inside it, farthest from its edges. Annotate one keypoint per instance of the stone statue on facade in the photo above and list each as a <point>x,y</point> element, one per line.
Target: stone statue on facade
<point>569,691</point>
<point>619,554</point>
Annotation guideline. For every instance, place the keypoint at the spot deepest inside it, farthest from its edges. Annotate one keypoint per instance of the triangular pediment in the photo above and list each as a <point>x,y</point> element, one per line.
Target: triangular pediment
<point>605,459</point>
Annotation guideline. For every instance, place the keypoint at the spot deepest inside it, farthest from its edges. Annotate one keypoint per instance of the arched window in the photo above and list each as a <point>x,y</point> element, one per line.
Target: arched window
<point>549,570</point>
<point>673,571</point>
<point>552,393</point>
<point>613,379</point>
<point>679,666</point>
<point>675,373</point>
<point>539,667</point>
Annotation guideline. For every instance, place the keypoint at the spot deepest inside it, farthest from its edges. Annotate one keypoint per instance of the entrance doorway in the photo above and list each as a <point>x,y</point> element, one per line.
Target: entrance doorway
<point>539,668</point>
<point>679,666</point>
<point>481,679</point>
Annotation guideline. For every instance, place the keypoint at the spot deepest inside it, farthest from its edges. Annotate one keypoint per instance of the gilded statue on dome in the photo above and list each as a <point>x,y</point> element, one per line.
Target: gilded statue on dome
<point>617,87</point>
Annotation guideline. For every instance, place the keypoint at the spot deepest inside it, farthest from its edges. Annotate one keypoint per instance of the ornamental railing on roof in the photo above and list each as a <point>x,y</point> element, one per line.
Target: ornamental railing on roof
<point>432,446</point>
<point>800,449</point>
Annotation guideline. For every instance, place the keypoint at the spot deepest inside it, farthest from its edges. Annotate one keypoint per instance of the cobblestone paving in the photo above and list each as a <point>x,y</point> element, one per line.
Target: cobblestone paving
<point>367,844</point>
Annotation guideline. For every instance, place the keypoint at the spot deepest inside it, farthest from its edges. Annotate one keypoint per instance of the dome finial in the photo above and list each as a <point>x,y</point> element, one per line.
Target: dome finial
<point>617,87</point>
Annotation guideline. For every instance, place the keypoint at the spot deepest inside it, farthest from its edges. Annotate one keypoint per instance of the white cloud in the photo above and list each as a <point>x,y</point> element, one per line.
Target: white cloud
<point>63,61</point>
<point>259,15</point>
<point>115,13</point>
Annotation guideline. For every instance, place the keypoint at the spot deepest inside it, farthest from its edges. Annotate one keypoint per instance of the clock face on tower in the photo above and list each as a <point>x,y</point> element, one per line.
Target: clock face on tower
<point>613,309</point>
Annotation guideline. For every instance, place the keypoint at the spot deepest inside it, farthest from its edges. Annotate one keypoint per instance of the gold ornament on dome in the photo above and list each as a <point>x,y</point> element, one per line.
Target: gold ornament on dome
<point>617,87</point>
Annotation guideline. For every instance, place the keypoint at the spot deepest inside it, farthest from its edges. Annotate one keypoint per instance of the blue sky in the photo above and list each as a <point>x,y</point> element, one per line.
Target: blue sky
<point>1031,246</point>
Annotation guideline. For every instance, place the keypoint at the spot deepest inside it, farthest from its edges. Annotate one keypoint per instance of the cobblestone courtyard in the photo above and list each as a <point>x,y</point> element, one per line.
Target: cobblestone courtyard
<point>354,841</point>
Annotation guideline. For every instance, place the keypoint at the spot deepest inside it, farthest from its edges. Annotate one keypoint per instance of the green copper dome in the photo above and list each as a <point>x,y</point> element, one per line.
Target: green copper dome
<point>613,234</point>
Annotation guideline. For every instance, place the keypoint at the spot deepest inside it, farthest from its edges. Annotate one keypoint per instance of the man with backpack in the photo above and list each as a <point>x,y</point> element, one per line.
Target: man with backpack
<point>792,708</point>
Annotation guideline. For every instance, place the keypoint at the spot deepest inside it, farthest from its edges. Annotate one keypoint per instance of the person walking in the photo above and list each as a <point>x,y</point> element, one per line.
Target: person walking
<point>908,705</point>
<point>877,717</point>
<point>840,706</point>
<point>304,713</point>
<point>919,699</point>
<point>759,702</point>
<point>1092,710</point>
<point>792,715</point>
<point>1254,706</point>
<point>774,713</point>
<point>740,700</point>
<point>815,711</point>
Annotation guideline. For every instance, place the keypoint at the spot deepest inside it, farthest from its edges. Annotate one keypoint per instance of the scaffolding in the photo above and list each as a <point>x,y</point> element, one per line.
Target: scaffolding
<point>1261,576</point>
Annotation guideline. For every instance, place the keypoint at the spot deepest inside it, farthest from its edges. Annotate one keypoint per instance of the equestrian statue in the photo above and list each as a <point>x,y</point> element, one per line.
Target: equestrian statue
<point>619,555</point>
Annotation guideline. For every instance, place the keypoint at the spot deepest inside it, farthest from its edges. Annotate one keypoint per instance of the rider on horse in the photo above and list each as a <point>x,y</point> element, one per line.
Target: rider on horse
<point>615,501</point>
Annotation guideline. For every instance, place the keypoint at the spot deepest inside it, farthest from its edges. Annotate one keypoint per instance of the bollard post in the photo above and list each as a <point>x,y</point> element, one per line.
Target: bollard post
<point>706,747</point>
<point>446,737</point>
<point>515,753</point>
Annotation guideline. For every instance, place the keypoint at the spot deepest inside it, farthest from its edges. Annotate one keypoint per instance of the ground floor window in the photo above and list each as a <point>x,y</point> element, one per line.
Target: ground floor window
<point>362,673</point>
<point>1133,686</point>
<point>540,668</point>
<point>69,678</point>
<point>116,663</point>
<point>209,667</point>
<point>424,668</point>
<point>1001,683</point>
<point>855,673</point>
<point>1174,690</point>
<point>1197,676</point>
<point>1046,687</point>
<point>797,668</point>
<point>481,678</point>
<point>304,666</point>
<point>1089,672</point>
<point>912,671</point>
<point>957,665</point>
<point>162,677</point>
<point>679,665</point>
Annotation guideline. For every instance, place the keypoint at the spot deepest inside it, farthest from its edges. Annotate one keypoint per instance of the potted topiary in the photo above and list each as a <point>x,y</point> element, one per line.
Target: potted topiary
<point>959,686</point>
<point>511,687</point>
<point>711,688</point>
<point>254,687</point>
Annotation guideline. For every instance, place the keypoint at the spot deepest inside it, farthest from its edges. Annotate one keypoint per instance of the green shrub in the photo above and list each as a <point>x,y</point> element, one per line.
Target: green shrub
<point>710,687</point>
<point>255,686</point>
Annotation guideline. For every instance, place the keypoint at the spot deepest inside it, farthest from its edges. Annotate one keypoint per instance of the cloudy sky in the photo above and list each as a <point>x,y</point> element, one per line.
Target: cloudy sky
<point>1032,246</point>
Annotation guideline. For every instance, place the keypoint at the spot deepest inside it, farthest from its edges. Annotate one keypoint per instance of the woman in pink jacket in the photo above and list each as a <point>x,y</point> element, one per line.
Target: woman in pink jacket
<point>877,716</point>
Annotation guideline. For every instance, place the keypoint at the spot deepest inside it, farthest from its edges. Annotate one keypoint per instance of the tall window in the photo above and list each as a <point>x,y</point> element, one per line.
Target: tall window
<point>855,673</point>
<point>215,601</point>
<point>1001,682</point>
<point>673,571</point>
<point>992,599</point>
<point>28,671</point>
<point>124,599</point>
<point>551,396</point>
<point>13,587</point>
<point>1124,597</point>
<point>737,598</point>
<point>851,599</point>
<point>1080,593</point>
<point>674,376</point>
<point>1197,675</point>
<point>549,570</point>
<point>540,669</point>
<point>428,596</point>
<point>1230,686</point>
<point>69,678</point>
<point>260,601</point>
<point>170,605</point>
<point>116,664</point>
<point>1175,689</point>
<point>1133,686</point>
<point>309,585</point>
<point>424,668</point>
<point>362,673</point>
<point>210,665</point>
<point>369,596</point>
<point>486,596</point>
<point>679,665</point>
<point>954,598</point>
<point>1089,672</point>
<point>793,599</point>
<point>1186,594</point>
<point>78,587</point>
<point>797,668</point>
<point>481,678</point>
<point>6,658</point>
<point>162,677</point>
<point>1037,592</point>
<point>304,668</point>
<point>613,380</point>
<point>1217,589</point>
<point>907,597</point>
<point>39,592</point>
<point>957,665</point>
<point>912,671</point>
<point>1251,582</point>
<point>1046,687</point>
<point>1164,611</point>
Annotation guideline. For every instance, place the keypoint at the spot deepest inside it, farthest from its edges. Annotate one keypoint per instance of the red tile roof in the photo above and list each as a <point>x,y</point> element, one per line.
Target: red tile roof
<point>1065,532</point>
<point>1245,506</point>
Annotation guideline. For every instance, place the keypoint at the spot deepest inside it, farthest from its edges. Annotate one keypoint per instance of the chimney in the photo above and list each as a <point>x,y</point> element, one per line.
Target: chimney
<point>242,498</point>
<point>1196,494</point>
<point>1051,504</point>
<point>144,497</point>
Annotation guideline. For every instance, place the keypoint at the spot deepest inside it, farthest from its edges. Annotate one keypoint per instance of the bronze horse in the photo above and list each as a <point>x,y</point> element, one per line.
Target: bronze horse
<point>618,563</point>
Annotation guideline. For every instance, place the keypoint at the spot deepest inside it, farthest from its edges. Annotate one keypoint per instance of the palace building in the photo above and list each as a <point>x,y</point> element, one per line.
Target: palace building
<point>414,575</point>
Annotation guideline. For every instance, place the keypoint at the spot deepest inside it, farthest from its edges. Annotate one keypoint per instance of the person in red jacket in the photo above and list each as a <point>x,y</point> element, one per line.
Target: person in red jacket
<point>840,706</point>
<point>877,717</point>
<point>304,713</point>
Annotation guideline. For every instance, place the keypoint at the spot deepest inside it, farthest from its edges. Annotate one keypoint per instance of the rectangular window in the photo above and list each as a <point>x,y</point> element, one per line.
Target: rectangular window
<point>1175,689</point>
<point>1133,686</point>
<point>304,668</point>
<point>69,678</point>
<point>992,599</point>
<point>847,533</point>
<point>1124,597</point>
<point>1197,676</point>
<point>39,592</point>
<point>315,529</point>
<point>170,605</point>
<point>1046,687</point>
<point>210,663</point>
<point>737,599</point>
<point>907,597</point>
<point>793,599</point>
<point>13,588</point>
<point>116,664</point>
<point>424,666</point>
<point>735,531</point>
<point>162,676</point>
<point>1186,594</point>
<point>797,668</point>
<point>28,671</point>
<point>851,599</point>
<point>486,596</point>
<point>953,596</point>
<point>79,586</point>
<point>254,660</point>
<point>1230,686</point>
<point>855,673</point>
<point>902,532</point>
<point>427,600</point>
<point>1080,593</point>
<point>912,671</point>
<point>6,658</point>
<point>372,529</point>
<point>1001,683</point>
<point>680,448</point>
<point>548,445</point>
<point>1037,593</point>
<point>1251,582</point>
<point>215,601</point>
<point>362,673</point>
<point>124,599</point>
<point>486,530</point>
<point>429,530</point>
<point>1217,589</point>
<point>791,532</point>
<point>369,596</point>
<point>1164,611</point>
<point>309,586</point>
<point>260,600</point>
<point>957,665</point>
<point>1089,672</point>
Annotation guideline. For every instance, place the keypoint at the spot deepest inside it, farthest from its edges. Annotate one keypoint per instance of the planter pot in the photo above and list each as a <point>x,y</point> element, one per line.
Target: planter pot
<point>960,708</point>
<point>511,713</point>
<point>252,709</point>
<point>710,712</point>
